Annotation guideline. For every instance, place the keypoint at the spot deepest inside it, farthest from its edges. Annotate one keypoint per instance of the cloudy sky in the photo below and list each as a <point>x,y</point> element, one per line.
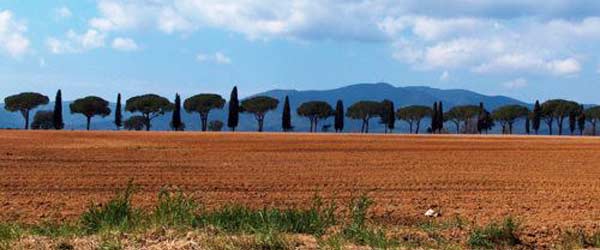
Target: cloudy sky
<point>526,49</point>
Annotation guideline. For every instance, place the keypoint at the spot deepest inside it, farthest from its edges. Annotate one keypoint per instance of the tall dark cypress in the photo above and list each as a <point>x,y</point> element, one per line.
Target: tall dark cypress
<point>118,114</point>
<point>434,118</point>
<point>57,115</point>
<point>339,116</point>
<point>573,121</point>
<point>233,118</point>
<point>176,123</point>
<point>286,117</point>
<point>481,119</point>
<point>440,117</point>
<point>537,117</point>
<point>581,120</point>
<point>391,117</point>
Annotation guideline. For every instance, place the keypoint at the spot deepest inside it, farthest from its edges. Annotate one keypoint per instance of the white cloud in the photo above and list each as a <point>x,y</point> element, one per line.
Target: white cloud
<point>445,76</point>
<point>218,58</point>
<point>62,13</point>
<point>75,42</point>
<point>124,44</point>
<point>12,35</point>
<point>515,84</point>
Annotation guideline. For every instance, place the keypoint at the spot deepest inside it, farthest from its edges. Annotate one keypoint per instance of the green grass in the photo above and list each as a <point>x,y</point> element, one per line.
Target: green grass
<point>8,234</point>
<point>116,214</point>
<point>175,210</point>
<point>494,235</point>
<point>360,232</point>
<point>239,219</point>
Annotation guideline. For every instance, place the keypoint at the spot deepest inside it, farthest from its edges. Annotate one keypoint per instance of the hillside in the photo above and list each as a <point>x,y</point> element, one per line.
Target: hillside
<point>401,96</point>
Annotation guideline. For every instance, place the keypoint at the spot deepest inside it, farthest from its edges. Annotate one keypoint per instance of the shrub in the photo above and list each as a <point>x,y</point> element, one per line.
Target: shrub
<point>495,235</point>
<point>117,213</point>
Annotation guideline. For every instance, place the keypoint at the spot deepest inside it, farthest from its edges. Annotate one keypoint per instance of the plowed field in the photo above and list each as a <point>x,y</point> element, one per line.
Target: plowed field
<point>547,182</point>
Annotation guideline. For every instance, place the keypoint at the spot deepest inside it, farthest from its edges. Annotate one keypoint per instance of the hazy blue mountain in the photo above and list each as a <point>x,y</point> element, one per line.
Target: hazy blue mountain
<point>401,96</point>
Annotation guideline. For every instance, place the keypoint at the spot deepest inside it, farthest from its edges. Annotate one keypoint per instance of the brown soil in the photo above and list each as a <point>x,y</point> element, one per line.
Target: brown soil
<point>549,183</point>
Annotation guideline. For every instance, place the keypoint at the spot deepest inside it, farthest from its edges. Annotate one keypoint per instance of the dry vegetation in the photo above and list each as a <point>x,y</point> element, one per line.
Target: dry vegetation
<point>551,184</point>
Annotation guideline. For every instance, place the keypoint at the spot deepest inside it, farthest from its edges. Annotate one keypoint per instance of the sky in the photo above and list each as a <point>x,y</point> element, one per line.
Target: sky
<point>527,49</point>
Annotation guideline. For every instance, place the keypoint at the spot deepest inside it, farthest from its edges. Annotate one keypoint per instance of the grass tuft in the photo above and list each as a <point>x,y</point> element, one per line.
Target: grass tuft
<point>494,235</point>
<point>175,210</point>
<point>118,213</point>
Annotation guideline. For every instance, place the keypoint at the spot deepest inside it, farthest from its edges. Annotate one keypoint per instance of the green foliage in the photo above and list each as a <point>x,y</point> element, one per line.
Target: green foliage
<point>24,103</point>
<point>118,113</point>
<point>413,115</point>
<point>176,122</point>
<point>315,220</point>
<point>57,114</point>
<point>339,116</point>
<point>233,118</point>
<point>8,234</point>
<point>359,232</point>
<point>89,107</point>
<point>175,210</point>
<point>54,229</point>
<point>462,114</point>
<point>364,110</point>
<point>495,236</point>
<point>135,122</point>
<point>203,104</point>
<point>507,115</point>
<point>286,116</point>
<point>314,111</point>
<point>215,125</point>
<point>150,106</point>
<point>43,119</point>
<point>118,213</point>
<point>259,106</point>
<point>388,115</point>
<point>557,110</point>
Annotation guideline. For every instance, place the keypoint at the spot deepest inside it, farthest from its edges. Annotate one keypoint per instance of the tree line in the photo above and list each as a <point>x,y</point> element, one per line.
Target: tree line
<point>463,119</point>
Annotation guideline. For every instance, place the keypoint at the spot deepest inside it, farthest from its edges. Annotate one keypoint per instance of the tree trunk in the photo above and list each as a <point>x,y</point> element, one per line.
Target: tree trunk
<point>316,124</point>
<point>367,126</point>
<point>549,128</point>
<point>147,121</point>
<point>510,127</point>
<point>560,125</point>
<point>26,115</point>
<point>260,124</point>
<point>204,121</point>
<point>89,119</point>
<point>410,127</point>
<point>418,126</point>
<point>594,128</point>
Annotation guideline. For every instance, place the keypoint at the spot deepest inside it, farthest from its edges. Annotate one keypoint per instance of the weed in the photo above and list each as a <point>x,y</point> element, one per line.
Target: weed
<point>9,233</point>
<point>117,213</point>
<point>359,232</point>
<point>175,210</point>
<point>495,235</point>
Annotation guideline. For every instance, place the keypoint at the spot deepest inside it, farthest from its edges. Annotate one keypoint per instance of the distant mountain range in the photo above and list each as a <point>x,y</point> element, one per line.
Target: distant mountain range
<point>401,96</point>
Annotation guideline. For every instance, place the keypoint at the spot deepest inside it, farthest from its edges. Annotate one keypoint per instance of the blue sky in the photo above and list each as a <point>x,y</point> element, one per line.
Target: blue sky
<point>527,49</point>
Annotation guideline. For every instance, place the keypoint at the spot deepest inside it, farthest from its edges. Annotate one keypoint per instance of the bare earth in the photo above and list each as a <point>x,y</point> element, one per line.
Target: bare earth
<point>549,183</point>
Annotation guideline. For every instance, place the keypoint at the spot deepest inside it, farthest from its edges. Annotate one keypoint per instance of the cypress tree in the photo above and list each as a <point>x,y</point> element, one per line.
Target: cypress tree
<point>57,115</point>
<point>176,123</point>
<point>391,117</point>
<point>286,117</point>
<point>233,118</point>
<point>434,118</point>
<point>339,116</point>
<point>581,120</point>
<point>537,117</point>
<point>573,121</point>
<point>440,117</point>
<point>118,114</point>
<point>481,119</point>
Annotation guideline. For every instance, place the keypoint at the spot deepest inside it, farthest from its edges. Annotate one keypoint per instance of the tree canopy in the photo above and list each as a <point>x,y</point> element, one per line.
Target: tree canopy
<point>203,104</point>
<point>364,110</point>
<point>259,106</point>
<point>149,105</point>
<point>413,115</point>
<point>43,119</point>
<point>314,111</point>
<point>90,106</point>
<point>592,115</point>
<point>507,115</point>
<point>557,110</point>
<point>24,103</point>
<point>462,114</point>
